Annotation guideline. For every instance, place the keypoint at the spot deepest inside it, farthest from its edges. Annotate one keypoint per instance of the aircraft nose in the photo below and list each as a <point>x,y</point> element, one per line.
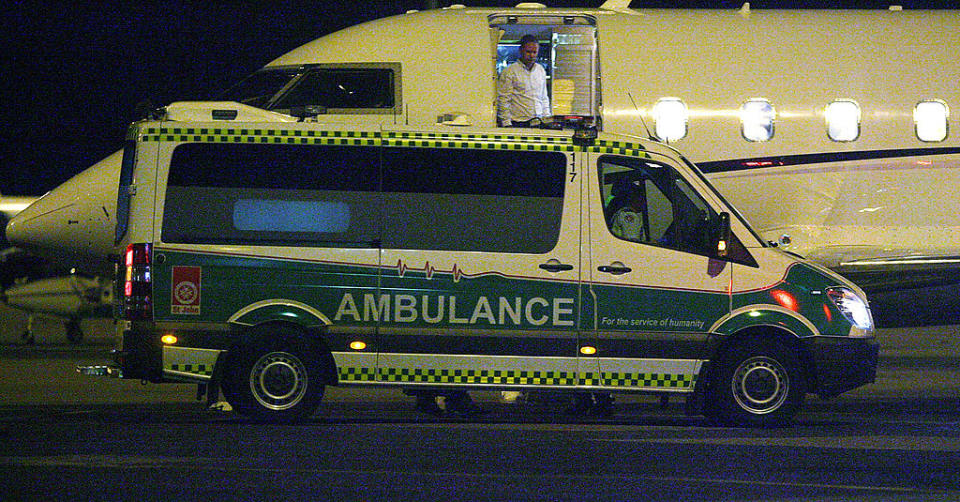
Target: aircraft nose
<point>35,227</point>
<point>77,217</point>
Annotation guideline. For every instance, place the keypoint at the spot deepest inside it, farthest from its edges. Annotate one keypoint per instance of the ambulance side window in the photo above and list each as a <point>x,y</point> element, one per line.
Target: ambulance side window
<point>273,194</point>
<point>650,203</point>
<point>503,201</point>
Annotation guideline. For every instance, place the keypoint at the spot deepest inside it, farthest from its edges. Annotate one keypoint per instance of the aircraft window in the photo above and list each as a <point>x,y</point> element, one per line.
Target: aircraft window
<point>342,89</point>
<point>670,116</point>
<point>843,120</point>
<point>756,120</point>
<point>932,120</point>
<point>260,88</point>
<point>472,200</point>
<point>285,195</point>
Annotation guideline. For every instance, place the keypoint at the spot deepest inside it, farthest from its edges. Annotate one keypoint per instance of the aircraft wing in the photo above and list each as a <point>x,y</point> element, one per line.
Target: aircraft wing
<point>878,275</point>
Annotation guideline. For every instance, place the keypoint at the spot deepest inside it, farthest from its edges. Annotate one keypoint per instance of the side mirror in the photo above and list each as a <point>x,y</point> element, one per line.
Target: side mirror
<point>723,234</point>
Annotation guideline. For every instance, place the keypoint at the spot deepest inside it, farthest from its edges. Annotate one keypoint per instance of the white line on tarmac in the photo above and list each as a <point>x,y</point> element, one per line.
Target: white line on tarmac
<point>905,443</point>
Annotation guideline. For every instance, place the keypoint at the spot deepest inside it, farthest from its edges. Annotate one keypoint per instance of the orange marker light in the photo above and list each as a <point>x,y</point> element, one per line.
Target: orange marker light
<point>785,299</point>
<point>358,345</point>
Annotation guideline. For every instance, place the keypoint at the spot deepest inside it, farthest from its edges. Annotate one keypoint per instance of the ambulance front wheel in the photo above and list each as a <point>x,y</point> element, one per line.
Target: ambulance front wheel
<point>758,383</point>
<point>278,377</point>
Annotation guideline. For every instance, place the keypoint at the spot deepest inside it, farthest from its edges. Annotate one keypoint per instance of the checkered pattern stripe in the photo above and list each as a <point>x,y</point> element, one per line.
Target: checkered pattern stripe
<point>194,369</point>
<point>261,136</point>
<point>464,376</point>
<point>507,377</point>
<point>358,374</point>
<point>489,145</point>
<point>356,138</point>
<point>459,376</point>
<point>618,148</point>
<point>648,380</point>
<point>476,137</point>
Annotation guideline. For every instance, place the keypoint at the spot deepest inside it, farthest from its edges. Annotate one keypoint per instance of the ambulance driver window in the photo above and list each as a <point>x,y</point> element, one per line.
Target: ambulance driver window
<point>270,194</point>
<point>648,202</point>
<point>505,201</point>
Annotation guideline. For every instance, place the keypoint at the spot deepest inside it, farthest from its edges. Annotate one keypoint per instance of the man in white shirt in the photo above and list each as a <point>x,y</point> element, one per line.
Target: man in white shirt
<point>522,88</point>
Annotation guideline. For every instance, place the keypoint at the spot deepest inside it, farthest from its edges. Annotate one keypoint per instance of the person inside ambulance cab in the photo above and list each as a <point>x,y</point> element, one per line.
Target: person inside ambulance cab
<point>628,222</point>
<point>522,89</point>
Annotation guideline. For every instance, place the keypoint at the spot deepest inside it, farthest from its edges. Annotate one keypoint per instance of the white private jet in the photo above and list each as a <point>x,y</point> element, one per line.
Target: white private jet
<point>48,287</point>
<point>829,130</point>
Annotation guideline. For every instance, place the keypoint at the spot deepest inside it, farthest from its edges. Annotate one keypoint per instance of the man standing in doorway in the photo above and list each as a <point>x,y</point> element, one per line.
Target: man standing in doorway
<point>522,89</point>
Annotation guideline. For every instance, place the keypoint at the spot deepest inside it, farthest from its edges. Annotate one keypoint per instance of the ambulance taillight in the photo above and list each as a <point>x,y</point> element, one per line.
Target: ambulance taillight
<point>137,302</point>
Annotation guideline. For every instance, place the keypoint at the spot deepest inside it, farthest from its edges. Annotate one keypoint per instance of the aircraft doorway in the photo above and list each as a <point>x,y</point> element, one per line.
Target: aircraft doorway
<point>568,54</point>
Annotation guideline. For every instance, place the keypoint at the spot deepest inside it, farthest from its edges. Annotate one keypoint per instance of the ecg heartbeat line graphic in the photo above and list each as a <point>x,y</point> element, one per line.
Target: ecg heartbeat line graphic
<point>428,270</point>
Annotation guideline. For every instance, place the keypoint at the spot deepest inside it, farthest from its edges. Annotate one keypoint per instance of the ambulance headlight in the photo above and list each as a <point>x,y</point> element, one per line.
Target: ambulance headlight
<point>852,306</point>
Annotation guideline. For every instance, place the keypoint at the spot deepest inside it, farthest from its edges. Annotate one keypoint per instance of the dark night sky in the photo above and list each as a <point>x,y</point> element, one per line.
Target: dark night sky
<point>72,74</point>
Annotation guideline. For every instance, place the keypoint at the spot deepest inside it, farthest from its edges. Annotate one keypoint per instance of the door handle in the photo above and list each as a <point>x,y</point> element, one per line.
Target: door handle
<point>615,268</point>
<point>555,266</point>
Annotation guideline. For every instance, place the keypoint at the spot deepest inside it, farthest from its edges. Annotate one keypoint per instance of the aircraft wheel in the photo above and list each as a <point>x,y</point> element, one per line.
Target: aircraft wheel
<point>74,332</point>
<point>278,377</point>
<point>759,383</point>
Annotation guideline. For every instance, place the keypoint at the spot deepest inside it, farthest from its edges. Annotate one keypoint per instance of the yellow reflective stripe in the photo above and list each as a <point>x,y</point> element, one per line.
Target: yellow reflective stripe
<point>478,141</point>
<point>618,148</point>
<point>488,377</point>
<point>507,377</point>
<point>458,376</point>
<point>195,369</point>
<point>260,136</point>
<point>357,374</point>
<point>268,136</point>
<point>477,137</point>
<point>648,380</point>
<point>487,145</point>
<point>362,138</point>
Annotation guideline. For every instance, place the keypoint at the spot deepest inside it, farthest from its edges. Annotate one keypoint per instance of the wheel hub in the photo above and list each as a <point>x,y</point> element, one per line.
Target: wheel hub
<point>760,385</point>
<point>278,380</point>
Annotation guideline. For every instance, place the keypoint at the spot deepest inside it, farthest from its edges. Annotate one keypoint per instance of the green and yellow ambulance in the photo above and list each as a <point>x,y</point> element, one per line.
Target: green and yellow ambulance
<point>270,260</point>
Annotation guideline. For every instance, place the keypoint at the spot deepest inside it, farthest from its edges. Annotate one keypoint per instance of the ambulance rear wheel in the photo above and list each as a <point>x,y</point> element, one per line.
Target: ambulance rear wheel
<point>277,378</point>
<point>758,384</point>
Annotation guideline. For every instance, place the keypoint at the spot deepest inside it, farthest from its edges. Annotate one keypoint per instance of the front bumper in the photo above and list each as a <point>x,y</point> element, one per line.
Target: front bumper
<point>842,363</point>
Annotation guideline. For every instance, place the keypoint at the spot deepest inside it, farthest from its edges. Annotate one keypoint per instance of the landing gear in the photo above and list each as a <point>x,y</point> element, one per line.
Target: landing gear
<point>72,327</point>
<point>74,332</point>
<point>27,335</point>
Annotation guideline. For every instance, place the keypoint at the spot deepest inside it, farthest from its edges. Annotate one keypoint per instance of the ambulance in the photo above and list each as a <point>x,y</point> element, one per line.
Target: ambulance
<point>268,258</point>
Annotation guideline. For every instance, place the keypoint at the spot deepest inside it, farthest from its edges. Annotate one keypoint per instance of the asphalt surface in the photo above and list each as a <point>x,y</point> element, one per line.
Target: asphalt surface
<point>66,436</point>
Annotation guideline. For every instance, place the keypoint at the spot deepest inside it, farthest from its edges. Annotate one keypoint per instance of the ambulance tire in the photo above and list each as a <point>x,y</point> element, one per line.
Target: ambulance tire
<point>758,384</point>
<point>278,377</point>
